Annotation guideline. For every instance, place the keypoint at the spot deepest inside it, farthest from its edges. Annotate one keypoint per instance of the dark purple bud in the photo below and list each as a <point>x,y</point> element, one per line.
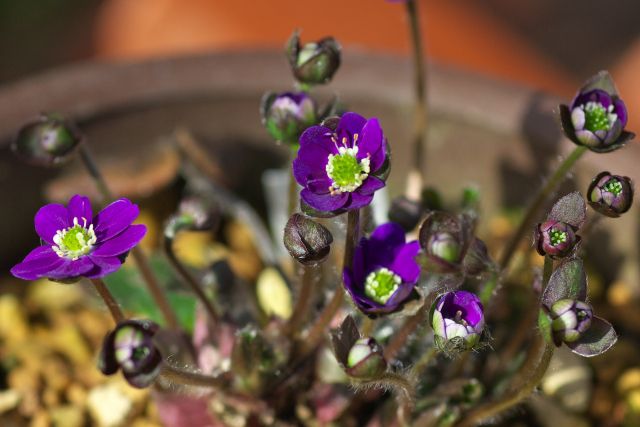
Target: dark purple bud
<point>405,212</point>
<point>315,62</point>
<point>47,141</point>
<point>555,238</point>
<point>611,195</point>
<point>457,319</point>
<point>366,359</point>
<point>287,115</point>
<point>569,320</point>
<point>130,347</point>
<point>306,240</point>
<point>596,117</point>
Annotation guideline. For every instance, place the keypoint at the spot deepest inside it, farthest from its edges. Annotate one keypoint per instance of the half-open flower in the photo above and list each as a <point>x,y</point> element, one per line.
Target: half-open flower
<point>569,319</point>
<point>555,238</point>
<point>596,117</point>
<point>457,319</point>
<point>77,244</point>
<point>366,359</point>
<point>611,195</point>
<point>340,168</point>
<point>130,347</point>
<point>384,271</point>
<point>287,115</point>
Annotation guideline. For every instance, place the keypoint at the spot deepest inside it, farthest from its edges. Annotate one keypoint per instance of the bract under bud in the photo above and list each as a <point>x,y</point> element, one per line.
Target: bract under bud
<point>445,239</point>
<point>306,240</point>
<point>47,141</point>
<point>366,359</point>
<point>315,62</point>
<point>555,238</point>
<point>611,195</point>
<point>287,115</point>
<point>569,320</point>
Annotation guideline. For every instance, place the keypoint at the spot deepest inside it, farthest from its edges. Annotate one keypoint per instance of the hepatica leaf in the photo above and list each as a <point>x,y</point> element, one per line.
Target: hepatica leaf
<point>567,281</point>
<point>599,338</point>
<point>129,289</point>
<point>571,209</point>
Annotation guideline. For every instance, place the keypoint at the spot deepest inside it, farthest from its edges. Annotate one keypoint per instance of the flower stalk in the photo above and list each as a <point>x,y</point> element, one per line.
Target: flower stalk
<point>541,197</point>
<point>109,300</point>
<point>301,308</point>
<point>150,279</point>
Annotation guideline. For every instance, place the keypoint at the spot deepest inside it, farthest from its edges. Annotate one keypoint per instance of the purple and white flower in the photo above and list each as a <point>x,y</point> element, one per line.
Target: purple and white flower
<point>457,319</point>
<point>384,271</point>
<point>340,169</point>
<point>555,238</point>
<point>287,115</point>
<point>75,243</point>
<point>611,195</point>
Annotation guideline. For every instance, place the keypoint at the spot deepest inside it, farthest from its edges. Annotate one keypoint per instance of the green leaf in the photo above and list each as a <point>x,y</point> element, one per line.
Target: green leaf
<point>599,338</point>
<point>569,280</point>
<point>129,289</point>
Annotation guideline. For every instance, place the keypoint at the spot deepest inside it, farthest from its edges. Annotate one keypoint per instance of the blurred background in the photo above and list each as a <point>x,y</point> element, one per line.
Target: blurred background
<point>48,334</point>
<point>542,43</point>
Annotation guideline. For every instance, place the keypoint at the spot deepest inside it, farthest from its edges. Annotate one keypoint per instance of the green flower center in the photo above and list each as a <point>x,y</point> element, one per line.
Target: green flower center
<point>344,169</point>
<point>614,187</point>
<point>381,284</point>
<point>597,117</point>
<point>556,236</point>
<point>73,242</point>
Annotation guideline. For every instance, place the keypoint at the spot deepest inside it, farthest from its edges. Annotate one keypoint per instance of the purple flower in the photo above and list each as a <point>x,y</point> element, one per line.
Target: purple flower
<point>555,238</point>
<point>457,319</point>
<point>287,115</point>
<point>384,270</point>
<point>597,116</point>
<point>340,168</point>
<point>611,195</point>
<point>130,347</point>
<point>77,244</point>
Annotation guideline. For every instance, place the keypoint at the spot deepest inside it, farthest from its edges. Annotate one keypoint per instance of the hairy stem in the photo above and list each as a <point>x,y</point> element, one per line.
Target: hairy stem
<point>140,258</point>
<point>301,308</point>
<point>543,194</point>
<point>532,372</point>
<point>179,376</point>
<point>319,328</point>
<point>109,300</point>
<point>190,280</point>
<point>420,90</point>
<point>400,337</point>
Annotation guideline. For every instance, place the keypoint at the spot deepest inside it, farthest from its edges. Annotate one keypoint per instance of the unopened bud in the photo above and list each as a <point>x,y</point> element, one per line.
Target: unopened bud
<point>306,240</point>
<point>47,141</point>
<point>366,359</point>
<point>313,63</point>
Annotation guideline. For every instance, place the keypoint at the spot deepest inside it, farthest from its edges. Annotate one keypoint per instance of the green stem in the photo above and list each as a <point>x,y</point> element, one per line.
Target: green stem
<point>533,373</point>
<point>109,300</point>
<point>140,258</point>
<point>424,360</point>
<point>190,280</point>
<point>546,271</point>
<point>419,75</point>
<point>319,328</point>
<point>543,194</point>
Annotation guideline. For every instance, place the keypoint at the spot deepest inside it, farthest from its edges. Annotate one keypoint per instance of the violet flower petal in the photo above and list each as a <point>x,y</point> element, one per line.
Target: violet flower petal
<point>49,219</point>
<point>80,207</point>
<point>324,202</point>
<point>114,218</point>
<point>621,110</point>
<point>357,200</point>
<point>103,266</point>
<point>370,185</point>
<point>71,269</point>
<point>318,135</point>
<point>350,123</point>
<point>121,243</point>
<point>405,265</point>
<point>37,263</point>
<point>371,144</point>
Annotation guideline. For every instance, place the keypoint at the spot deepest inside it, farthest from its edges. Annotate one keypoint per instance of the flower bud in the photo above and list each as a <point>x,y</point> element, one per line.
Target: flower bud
<point>194,214</point>
<point>569,320</point>
<point>611,195</point>
<point>130,347</point>
<point>444,246</point>
<point>313,63</point>
<point>287,115</point>
<point>457,319</point>
<point>366,359</point>
<point>47,141</point>
<point>445,239</point>
<point>306,240</point>
<point>405,212</point>
<point>555,238</point>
